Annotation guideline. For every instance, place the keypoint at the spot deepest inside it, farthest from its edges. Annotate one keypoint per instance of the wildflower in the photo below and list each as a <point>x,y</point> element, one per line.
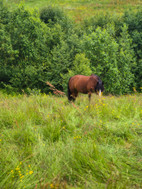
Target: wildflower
<point>134,89</point>
<point>0,140</point>
<point>17,169</point>
<point>77,137</point>
<point>21,176</point>
<point>29,166</point>
<point>63,127</point>
<point>30,172</point>
<point>51,186</point>
<point>11,171</point>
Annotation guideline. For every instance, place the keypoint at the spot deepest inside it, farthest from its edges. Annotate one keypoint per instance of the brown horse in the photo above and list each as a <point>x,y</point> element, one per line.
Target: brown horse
<point>84,84</point>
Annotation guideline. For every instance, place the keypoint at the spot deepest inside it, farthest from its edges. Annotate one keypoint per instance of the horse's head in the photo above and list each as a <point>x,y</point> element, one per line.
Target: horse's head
<point>99,87</point>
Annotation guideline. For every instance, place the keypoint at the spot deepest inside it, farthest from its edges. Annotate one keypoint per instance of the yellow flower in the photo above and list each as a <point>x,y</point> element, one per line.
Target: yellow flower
<point>77,137</point>
<point>21,176</point>
<point>134,89</point>
<point>51,186</point>
<point>30,172</point>
<point>29,165</point>
<point>0,140</point>
<point>63,127</point>
<point>17,169</point>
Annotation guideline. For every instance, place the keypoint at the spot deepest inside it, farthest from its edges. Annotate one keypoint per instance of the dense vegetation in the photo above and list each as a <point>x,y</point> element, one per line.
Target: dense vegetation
<point>46,142</point>
<point>48,46</point>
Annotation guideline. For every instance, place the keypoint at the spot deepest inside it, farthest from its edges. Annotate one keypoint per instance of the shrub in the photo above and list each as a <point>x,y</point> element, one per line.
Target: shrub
<point>101,48</point>
<point>51,15</point>
<point>81,65</point>
<point>24,49</point>
<point>134,22</point>
<point>126,61</point>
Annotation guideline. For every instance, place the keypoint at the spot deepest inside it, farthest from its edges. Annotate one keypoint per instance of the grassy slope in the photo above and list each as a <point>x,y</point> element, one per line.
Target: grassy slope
<point>45,142</point>
<point>80,9</point>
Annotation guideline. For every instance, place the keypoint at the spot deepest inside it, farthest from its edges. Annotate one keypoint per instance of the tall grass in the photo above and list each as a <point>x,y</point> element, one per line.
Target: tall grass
<point>46,142</point>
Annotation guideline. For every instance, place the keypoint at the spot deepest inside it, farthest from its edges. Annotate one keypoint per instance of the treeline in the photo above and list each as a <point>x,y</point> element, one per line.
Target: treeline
<point>36,47</point>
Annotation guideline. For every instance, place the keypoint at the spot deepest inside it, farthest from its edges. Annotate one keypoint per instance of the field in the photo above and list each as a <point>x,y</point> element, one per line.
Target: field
<point>47,142</point>
<point>80,9</point>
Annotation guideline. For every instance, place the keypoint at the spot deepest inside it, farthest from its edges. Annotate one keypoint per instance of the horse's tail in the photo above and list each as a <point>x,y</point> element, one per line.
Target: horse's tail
<point>69,92</point>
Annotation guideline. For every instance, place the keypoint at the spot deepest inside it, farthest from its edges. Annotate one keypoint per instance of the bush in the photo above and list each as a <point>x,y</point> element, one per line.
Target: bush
<point>126,61</point>
<point>81,65</point>
<point>111,60</point>
<point>101,48</point>
<point>134,22</point>
<point>24,49</point>
<point>51,15</point>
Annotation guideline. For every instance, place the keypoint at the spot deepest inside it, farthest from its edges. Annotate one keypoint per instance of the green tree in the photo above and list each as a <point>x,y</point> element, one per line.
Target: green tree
<point>81,65</point>
<point>24,46</point>
<point>134,22</point>
<point>101,48</point>
<point>126,61</point>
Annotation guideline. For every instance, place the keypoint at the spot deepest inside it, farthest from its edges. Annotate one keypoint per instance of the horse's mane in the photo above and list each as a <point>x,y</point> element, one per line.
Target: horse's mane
<point>96,77</point>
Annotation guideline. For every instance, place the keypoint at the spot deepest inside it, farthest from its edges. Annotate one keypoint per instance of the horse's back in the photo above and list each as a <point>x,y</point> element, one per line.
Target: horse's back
<point>79,83</point>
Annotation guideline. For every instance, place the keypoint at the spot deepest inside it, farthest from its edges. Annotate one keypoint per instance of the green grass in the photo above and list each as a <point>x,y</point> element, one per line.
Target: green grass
<point>80,9</point>
<point>46,142</point>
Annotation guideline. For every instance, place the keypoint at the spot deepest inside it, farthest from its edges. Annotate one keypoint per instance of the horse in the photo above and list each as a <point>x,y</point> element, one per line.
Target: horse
<point>84,84</point>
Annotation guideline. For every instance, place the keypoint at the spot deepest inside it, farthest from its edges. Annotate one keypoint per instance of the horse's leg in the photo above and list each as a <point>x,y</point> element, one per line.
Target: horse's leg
<point>89,95</point>
<point>74,95</point>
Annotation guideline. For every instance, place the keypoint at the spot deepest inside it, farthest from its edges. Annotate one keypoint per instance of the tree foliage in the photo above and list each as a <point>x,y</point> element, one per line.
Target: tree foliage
<point>36,47</point>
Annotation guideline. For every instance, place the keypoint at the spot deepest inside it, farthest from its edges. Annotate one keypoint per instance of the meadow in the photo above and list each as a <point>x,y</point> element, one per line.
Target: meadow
<point>47,142</point>
<point>80,9</point>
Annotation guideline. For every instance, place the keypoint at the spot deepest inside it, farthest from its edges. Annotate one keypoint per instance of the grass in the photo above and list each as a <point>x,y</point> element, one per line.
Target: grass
<point>46,142</point>
<point>80,9</point>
